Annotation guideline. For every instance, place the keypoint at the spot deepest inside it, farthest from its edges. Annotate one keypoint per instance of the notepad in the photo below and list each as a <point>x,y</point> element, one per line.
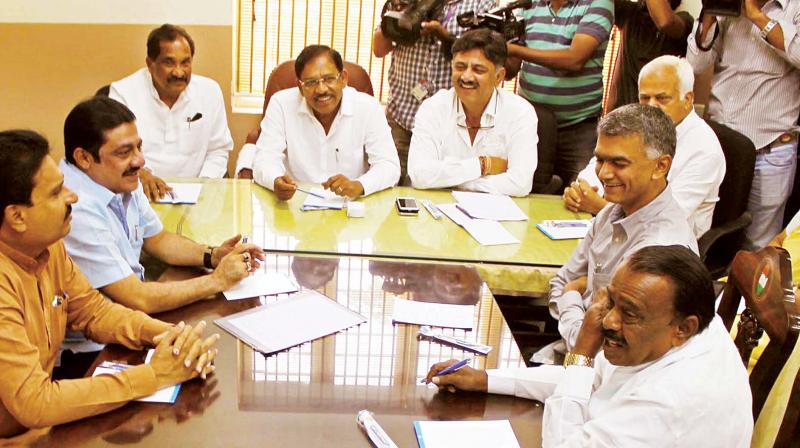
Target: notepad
<point>292,321</point>
<point>433,314</point>
<point>166,395</point>
<point>328,201</point>
<point>495,207</point>
<point>565,229</point>
<point>487,233</point>
<point>465,434</point>
<point>261,283</point>
<point>182,194</point>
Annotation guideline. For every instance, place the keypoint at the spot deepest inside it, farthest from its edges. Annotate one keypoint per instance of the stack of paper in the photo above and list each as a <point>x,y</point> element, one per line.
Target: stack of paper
<point>433,314</point>
<point>487,233</point>
<point>565,229</point>
<point>261,283</point>
<point>465,434</point>
<point>292,321</point>
<point>323,200</point>
<point>166,395</point>
<point>182,194</point>
<point>495,207</point>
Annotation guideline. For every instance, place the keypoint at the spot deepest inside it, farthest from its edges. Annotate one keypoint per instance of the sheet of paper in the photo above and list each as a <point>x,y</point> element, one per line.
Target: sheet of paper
<point>433,314</point>
<point>329,200</point>
<point>182,194</point>
<point>487,233</point>
<point>496,207</point>
<point>465,434</point>
<point>166,395</point>
<point>261,283</point>
<point>565,229</point>
<point>297,319</point>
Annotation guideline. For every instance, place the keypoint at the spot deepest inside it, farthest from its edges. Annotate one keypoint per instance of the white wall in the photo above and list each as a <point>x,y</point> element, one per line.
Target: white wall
<point>179,12</point>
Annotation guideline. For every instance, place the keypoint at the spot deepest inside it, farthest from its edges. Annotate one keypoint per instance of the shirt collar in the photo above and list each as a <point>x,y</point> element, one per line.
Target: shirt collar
<point>32,265</point>
<point>644,214</point>
<point>489,112</point>
<point>87,188</point>
<point>686,124</point>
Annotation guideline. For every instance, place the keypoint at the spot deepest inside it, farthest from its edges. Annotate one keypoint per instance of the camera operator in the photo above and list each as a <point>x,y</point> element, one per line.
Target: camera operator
<point>563,71</point>
<point>418,71</point>
<point>754,91</point>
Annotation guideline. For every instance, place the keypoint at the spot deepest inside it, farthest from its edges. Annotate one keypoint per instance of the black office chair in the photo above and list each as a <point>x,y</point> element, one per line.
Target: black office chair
<point>544,181</point>
<point>720,243</point>
<point>103,91</point>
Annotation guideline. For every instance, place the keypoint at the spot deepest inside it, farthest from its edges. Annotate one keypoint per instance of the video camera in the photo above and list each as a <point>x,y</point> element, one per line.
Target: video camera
<point>401,20</point>
<point>500,19</point>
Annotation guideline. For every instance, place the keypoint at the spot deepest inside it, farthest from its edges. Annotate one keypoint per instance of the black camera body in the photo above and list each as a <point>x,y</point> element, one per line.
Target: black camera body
<point>501,20</point>
<point>401,20</point>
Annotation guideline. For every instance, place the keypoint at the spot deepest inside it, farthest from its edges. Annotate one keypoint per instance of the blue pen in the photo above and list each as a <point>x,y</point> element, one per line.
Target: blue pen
<point>311,193</point>
<point>453,368</point>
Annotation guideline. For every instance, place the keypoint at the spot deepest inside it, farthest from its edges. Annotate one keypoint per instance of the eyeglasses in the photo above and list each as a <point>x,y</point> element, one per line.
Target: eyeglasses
<point>328,80</point>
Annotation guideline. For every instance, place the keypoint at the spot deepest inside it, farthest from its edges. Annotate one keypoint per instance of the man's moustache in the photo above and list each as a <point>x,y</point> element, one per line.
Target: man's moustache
<point>172,79</point>
<point>131,172</point>
<point>613,336</point>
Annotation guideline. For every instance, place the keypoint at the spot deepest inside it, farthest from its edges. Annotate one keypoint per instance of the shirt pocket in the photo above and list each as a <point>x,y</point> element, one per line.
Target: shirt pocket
<point>493,145</point>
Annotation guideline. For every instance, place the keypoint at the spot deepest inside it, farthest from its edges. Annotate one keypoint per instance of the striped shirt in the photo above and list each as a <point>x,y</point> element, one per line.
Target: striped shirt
<point>425,61</point>
<point>756,87</point>
<point>573,97</point>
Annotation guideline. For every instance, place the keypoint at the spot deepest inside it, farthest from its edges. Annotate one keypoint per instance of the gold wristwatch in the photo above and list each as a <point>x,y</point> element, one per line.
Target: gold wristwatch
<point>573,359</point>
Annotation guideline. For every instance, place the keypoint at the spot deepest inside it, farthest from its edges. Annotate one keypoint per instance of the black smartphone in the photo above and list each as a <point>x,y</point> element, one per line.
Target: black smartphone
<point>407,206</point>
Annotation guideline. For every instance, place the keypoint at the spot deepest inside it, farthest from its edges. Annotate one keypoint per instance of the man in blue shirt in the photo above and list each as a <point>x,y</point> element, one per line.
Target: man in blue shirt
<point>113,221</point>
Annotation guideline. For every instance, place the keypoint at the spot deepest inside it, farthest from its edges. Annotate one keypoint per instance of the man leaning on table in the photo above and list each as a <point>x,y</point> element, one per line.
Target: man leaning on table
<point>635,147</point>
<point>324,132</point>
<point>114,221</point>
<point>475,136</point>
<point>653,366</point>
<point>698,168</point>
<point>42,293</point>
<point>181,116</point>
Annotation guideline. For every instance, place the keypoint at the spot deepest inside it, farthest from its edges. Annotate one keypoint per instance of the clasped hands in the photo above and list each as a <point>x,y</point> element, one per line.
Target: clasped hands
<point>339,184</point>
<point>579,196</point>
<point>182,354</point>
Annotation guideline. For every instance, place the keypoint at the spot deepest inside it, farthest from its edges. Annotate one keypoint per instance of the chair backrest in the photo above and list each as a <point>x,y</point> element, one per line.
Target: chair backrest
<point>740,161</point>
<point>283,77</point>
<point>103,91</point>
<point>544,181</point>
<point>764,279</point>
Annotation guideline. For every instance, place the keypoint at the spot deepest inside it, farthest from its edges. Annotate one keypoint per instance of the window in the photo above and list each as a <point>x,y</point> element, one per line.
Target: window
<point>269,32</point>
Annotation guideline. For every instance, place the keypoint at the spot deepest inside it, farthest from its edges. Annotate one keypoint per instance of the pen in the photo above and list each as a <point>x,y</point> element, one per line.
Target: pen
<point>311,193</point>
<point>245,238</point>
<point>452,368</point>
<point>172,195</point>
<point>567,224</point>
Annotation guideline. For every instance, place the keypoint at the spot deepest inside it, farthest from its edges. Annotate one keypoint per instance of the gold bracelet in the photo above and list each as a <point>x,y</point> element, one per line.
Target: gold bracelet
<point>572,359</point>
<point>488,164</point>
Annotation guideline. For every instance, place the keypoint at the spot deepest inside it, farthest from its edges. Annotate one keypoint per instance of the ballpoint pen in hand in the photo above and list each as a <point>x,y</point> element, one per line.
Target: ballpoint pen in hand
<point>452,368</point>
<point>311,193</point>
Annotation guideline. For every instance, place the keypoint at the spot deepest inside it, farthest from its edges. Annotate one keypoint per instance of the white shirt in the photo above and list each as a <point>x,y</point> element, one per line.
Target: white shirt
<point>696,173</point>
<point>441,154</point>
<point>358,145</point>
<point>172,146</point>
<point>695,395</point>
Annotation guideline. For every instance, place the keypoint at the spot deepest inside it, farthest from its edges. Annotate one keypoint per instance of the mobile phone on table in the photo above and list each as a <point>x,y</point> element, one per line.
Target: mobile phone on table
<point>407,206</point>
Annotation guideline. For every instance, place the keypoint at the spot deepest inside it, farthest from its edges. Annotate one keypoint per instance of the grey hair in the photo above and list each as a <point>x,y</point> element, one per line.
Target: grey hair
<point>650,123</point>
<point>683,70</point>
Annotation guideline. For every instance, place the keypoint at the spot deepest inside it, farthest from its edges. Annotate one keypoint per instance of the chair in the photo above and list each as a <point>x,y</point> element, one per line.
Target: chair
<point>726,235</point>
<point>544,181</point>
<point>283,77</point>
<point>103,91</point>
<point>764,279</point>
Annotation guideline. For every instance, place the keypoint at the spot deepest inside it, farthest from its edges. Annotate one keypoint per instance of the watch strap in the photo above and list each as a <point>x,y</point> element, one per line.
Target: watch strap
<point>207,257</point>
<point>770,25</point>
<point>573,359</point>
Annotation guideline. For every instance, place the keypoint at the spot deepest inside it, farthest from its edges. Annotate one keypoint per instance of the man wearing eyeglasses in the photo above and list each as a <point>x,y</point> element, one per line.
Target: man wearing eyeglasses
<point>475,136</point>
<point>324,132</point>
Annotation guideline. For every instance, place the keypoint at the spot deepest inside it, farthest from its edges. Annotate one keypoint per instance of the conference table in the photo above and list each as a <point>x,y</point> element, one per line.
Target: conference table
<point>309,395</point>
<point>228,206</point>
